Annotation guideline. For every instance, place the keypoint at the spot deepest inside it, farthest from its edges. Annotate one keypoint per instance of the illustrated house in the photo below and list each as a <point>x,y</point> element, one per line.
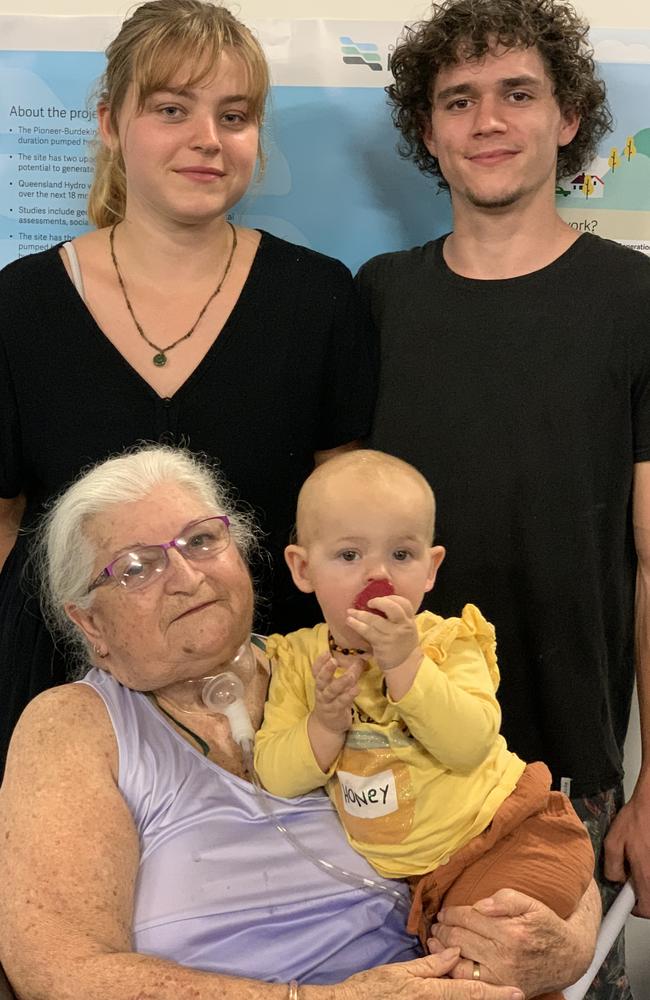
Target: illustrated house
<point>597,182</point>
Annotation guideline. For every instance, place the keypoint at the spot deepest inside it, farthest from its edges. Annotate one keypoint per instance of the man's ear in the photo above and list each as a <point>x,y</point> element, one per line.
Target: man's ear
<point>428,137</point>
<point>437,554</point>
<point>85,621</point>
<point>569,127</point>
<point>298,563</point>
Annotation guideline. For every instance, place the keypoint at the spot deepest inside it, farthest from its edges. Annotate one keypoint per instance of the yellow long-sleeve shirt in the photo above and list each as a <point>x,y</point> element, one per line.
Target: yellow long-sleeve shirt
<point>417,778</point>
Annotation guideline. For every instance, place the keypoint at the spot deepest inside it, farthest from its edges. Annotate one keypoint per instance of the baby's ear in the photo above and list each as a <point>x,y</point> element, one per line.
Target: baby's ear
<point>437,554</point>
<point>298,562</point>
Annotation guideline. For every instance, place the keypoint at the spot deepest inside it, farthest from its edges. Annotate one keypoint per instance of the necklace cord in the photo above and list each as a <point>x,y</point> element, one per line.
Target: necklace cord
<point>203,744</point>
<point>160,359</point>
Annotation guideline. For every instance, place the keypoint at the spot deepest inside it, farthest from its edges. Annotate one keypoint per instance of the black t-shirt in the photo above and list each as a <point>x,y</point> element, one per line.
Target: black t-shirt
<point>526,402</point>
<point>289,374</point>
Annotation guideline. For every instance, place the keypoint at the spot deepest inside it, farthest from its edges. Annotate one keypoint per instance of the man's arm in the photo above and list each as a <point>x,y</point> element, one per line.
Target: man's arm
<point>627,846</point>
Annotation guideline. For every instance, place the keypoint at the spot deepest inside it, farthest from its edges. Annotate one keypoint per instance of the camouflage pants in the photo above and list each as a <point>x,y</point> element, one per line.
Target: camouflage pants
<point>597,813</point>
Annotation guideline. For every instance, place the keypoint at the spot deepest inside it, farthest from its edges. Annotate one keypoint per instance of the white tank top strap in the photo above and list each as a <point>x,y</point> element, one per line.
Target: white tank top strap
<point>73,260</point>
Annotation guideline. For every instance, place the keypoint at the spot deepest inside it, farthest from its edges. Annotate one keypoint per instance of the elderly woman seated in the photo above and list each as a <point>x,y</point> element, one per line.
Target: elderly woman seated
<point>137,859</point>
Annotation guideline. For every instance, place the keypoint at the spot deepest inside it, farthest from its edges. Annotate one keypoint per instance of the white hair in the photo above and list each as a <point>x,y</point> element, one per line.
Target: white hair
<point>63,553</point>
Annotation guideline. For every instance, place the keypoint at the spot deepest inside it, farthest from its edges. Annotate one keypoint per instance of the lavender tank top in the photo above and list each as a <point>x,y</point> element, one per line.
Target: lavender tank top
<point>219,888</point>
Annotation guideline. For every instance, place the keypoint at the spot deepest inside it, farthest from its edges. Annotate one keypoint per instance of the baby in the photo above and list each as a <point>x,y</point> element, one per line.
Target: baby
<point>395,712</point>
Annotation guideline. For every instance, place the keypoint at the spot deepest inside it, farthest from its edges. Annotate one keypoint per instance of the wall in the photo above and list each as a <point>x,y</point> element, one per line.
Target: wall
<point>623,13</point>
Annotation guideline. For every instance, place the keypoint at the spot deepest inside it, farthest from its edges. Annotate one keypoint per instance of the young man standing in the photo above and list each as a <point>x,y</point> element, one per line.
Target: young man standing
<point>515,374</point>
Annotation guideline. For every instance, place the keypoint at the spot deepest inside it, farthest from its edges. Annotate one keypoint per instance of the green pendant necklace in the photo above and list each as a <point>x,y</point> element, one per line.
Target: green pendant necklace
<point>160,357</point>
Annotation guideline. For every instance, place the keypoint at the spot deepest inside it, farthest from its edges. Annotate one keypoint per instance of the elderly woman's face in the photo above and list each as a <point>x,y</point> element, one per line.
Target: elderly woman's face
<point>185,623</point>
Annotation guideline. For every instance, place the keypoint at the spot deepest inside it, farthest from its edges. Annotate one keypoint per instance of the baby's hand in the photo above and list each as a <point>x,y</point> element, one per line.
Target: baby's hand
<point>335,695</point>
<point>393,638</point>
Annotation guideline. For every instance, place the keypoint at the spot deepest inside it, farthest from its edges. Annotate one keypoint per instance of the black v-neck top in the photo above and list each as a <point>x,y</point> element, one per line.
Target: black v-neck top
<point>289,374</point>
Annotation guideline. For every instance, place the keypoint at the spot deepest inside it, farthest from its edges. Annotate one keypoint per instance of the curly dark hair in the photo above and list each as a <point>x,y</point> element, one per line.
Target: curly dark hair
<point>468,29</point>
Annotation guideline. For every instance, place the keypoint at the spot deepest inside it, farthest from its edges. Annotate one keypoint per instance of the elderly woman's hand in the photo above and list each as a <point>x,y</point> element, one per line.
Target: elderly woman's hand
<point>420,980</point>
<point>516,939</point>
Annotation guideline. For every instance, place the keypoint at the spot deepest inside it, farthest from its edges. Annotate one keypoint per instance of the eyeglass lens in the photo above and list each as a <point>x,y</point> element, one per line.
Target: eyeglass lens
<point>198,541</point>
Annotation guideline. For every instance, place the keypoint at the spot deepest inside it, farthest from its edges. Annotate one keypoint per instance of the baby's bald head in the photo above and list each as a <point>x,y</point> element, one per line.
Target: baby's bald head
<point>363,476</point>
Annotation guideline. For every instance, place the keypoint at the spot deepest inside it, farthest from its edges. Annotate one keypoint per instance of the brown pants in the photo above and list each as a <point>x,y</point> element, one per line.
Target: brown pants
<point>535,844</point>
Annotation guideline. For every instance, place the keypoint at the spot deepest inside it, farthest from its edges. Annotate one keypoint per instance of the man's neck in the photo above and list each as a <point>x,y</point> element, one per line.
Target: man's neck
<point>506,244</point>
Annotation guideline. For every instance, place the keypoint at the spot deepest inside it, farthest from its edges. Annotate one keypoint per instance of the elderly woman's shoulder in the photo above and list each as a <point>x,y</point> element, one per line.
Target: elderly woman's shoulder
<point>64,723</point>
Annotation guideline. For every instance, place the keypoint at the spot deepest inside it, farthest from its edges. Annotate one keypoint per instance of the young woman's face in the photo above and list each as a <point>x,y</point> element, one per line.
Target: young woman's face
<point>190,153</point>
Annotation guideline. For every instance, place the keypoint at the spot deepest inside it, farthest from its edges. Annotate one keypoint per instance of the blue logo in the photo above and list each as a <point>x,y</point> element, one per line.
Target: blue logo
<point>360,53</point>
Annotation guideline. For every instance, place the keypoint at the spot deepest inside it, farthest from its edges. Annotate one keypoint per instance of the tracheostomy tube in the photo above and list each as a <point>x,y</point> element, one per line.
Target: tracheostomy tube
<point>224,693</point>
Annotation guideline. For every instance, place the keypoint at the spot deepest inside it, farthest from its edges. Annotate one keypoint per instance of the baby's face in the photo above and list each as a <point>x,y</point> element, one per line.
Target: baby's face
<point>363,532</point>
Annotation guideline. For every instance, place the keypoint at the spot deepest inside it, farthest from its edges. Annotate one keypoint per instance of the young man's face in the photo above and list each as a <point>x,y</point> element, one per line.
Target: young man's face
<point>496,127</point>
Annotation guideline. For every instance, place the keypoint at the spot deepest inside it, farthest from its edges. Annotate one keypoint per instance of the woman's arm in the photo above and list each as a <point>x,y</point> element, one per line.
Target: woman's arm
<point>323,456</point>
<point>516,939</point>
<point>68,863</point>
<point>68,867</point>
<point>11,512</point>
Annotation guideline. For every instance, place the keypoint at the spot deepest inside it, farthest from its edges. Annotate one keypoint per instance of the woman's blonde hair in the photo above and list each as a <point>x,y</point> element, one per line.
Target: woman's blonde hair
<point>154,44</point>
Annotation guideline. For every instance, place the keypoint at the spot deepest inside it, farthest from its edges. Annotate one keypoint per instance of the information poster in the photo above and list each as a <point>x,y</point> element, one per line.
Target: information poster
<point>612,197</point>
<point>334,180</point>
<point>46,161</point>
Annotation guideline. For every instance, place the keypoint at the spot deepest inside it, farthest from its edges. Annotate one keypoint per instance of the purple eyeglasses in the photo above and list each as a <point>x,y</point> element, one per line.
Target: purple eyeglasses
<point>144,563</point>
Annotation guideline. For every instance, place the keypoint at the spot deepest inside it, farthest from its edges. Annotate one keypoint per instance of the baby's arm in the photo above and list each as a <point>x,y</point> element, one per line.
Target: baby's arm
<point>284,759</point>
<point>451,708</point>
<point>390,627</point>
<point>447,698</point>
<point>331,716</point>
<point>295,749</point>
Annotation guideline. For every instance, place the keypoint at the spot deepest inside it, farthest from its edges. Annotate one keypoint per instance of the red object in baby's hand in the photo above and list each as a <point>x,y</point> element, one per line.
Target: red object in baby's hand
<point>376,588</point>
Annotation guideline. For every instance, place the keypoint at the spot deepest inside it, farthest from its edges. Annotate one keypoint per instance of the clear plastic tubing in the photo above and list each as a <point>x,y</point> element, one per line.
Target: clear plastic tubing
<point>224,693</point>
